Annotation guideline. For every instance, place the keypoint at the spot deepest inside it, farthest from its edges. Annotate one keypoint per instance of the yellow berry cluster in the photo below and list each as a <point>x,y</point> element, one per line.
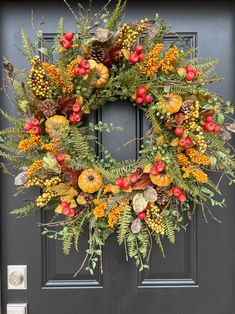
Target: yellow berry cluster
<point>183,160</point>
<point>53,73</point>
<point>99,209</point>
<point>45,197</point>
<point>49,147</point>
<point>38,81</point>
<point>154,220</point>
<point>28,143</point>
<point>152,60</point>
<point>115,213</point>
<point>52,181</point>
<point>197,158</point>
<point>198,174</point>
<point>34,182</point>
<point>128,34</point>
<point>167,63</point>
<point>34,167</point>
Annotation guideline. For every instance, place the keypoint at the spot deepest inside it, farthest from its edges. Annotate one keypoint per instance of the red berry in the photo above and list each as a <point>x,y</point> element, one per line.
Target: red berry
<point>77,117</point>
<point>209,127</point>
<point>141,91</point>
<point>60,158</point>
<point>72,119</point>
<point>198,72</point>
<point>209,118</point>
<point>153,171</point>
<point>126,185</point>
<point>139,100</point>
<point>64,204</point>
<point>181,197</point>
<point>36,130</point>
<point>182,141</point>
<point>76,108</point>
<point>190,76</point>
<point>62,41</point>
<point>35,122</point>
<point>134,178</point>
<point>189,68</point>
<point>179,131</point>
<point>148,98</point>
<point>78,71</point>
<point>141,215</point>
<point>188,143</point>
<point>119,182</point>
<point>160,165</point>
<point>133,58</point>
<point>72,212</point>
<point>66,44</point>
<point>176,191</point>
<point>85,64</point>
<point>139,49</point>
<point>217,129</point>
<point>28,126</point>
<point>69,36</point>
<point>65,211</point>
<point>141,57</point>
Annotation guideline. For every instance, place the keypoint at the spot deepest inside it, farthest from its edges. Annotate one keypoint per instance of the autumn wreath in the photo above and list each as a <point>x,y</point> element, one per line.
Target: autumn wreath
<point>50,142</point>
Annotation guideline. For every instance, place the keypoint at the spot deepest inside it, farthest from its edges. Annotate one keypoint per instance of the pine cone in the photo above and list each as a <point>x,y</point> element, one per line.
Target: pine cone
<point>187,105</point>
<point>162,196</point>
<point>97,53</point>
<point>49,107</point>
<point>88,197</point>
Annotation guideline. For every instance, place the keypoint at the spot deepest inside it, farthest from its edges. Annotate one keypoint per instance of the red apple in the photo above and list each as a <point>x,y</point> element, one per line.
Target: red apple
<point>141,215</point>
<point>134,178</point>
<point>35,122</point>
<point>78,71</point>
<point>209,127</point>
<point>133,58</point>
<point>190,76</point>
<point>188,143</point>
<point>126,185</point>
<point>153,171</point>
<point>209,118</point>
<point>141,57</point>
<point>217,129</point>
<point>181,198</point>
<point>198,72</point>
<point>182,141</point>
<point>72,212</point>
<point>72,119</point>
<point>64,204</point>
<point>60,158</point>
<point>68,36</point>
<point>36,130</point>
<point>141,91</point>
<point>66,44</point>
<point>65,211</point>
<point>178,131</point>
<point>176,191</point>
<point>139,100</point>
<point>85,64</point>
<point>160,165</point>
<point>189,68</point>
<point>148,98</point>
<point>62,41</point>
<point>139,49</point>
<point>76,108</point>
<point>119,182</point>
<point>77,117</point>
<point>28,126</point>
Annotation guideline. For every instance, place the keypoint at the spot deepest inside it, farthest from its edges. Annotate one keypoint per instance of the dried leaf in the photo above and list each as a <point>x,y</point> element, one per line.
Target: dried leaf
<point>81,200</point>
<point>150,194</point>
<point>136,226</point>
<point>139,203</point>
<point>21,178</point>
<point>126,53</point>
<point>231,127</point>
<point>161,140</point>
<point>58,209</point>
<point>179,118</point>
<point>147,168</point>
<point>143,181</point>
<point>158,157</point>
<point>174,142</point>
<point>182,72</point>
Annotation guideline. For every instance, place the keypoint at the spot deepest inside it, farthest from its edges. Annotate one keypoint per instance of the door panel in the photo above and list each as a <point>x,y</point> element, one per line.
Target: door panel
<point>197,275</point>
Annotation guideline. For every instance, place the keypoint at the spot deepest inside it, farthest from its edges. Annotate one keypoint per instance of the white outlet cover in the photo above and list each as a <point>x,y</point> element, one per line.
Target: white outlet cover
<point>17,268</point>
<point>17,308</point>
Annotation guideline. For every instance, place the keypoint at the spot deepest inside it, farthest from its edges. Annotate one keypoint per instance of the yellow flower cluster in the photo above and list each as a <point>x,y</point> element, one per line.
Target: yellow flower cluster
<point>28,143</point>
<point>167,63</point>
<point>198,174</point>
<point>197,158</point>
<point>34,167</point>
<point>153,62</point>
<point>155,220</point>
<point>99,209</point>
<point>115,213</point>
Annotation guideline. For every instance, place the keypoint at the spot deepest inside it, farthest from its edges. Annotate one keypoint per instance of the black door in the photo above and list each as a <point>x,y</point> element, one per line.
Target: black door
<point>197,275</point>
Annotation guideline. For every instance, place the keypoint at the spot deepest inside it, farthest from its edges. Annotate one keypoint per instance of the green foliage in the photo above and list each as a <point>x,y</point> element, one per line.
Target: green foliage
<point>207,65</point>
<point>117,15</point>
<point>24,211</point>
<point>169,228</point>
<point>124,223</point>
<point>159,243</point>
<point>27,46</point>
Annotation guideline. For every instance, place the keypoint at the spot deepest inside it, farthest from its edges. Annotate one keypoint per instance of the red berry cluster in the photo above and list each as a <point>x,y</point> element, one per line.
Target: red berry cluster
<point>76,116</point>
<point>141,215</point>
<point>191,73</point>
<point>82,68</point>
<point>33,126</point>
<point>143,96</point>
<point>60,158</point>
<point>185,142</point>
<point>159,167</point>
<point>67,211</point>
<point>176,191</point>
<point>209,125</point>
<point>138,55</point>
<point>123,184</point>
<point>66,41</point>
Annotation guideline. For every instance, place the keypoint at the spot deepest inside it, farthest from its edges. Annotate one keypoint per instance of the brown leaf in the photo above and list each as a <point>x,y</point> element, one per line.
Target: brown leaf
<point>179,118</point>
<point>174,142</point>
<point>142,183</point>
<point>65,105</point>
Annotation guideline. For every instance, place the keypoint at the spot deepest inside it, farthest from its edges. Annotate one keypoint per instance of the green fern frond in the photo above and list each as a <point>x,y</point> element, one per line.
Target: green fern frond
<point>27,46</point>
<point>15,121</point>
<point>67,243</point>
<point>124,223</point>
<point>116,16</point>
<point>24,211</point>
<point>169,229</point>
<point>159,243</point>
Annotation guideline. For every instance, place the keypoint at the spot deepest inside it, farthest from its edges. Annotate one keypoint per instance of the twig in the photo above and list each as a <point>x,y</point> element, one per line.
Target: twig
<point>72,11</point>
<point>203,211</point>
<point>213,217</point>
<point>126,253</point>
<point>220,179</point>
<point>101,260</point>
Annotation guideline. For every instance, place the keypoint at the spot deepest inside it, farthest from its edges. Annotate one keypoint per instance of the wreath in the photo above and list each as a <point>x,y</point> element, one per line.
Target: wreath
<point>50,142</point>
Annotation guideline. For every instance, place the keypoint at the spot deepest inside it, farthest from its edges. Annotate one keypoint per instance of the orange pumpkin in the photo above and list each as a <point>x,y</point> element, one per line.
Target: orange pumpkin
<point>101,74</point>
<point>90,180</point>
<point>162,179</point>
<point>56,126</point>
<point>170,103</point>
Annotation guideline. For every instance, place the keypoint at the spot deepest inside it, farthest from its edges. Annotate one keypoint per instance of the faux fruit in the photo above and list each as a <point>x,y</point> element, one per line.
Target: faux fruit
<point>141,215</point>
<point>139,49</point>
<point>68,36</point>
<point>209,118</point>
<point>181,198</point>
<point>119,182</point>
<point>56,126</point>
<point>176,191</point>
<point>141,91</point>
<point>133,178</point>
<point>90,180</point>
<point>133,58</point>
<point>209,127</point>
<point>139,100</point>
<point>217,129</point>
<point>76,108</point>
<point>170,103</point>
<point>79,71</point>
<point>126,185</point>
<point>190,76</point>
<point>178,131</point>
<point>189,68</point>
<point>162,179</point>
<point>101,74</point>
<point>60,158</point>
<point>148,99</point>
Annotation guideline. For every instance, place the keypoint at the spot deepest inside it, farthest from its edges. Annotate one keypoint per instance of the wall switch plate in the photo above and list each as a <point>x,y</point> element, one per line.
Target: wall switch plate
<point>17,308</point>
<point>17,277</point>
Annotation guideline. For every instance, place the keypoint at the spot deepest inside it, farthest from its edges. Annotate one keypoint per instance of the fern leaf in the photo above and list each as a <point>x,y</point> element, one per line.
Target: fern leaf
<point>24,211</point>
<point>124,222</point>
<point>159,243</point>
<point>27,47</point>
<point>67,243</point>
<point>169,229</point>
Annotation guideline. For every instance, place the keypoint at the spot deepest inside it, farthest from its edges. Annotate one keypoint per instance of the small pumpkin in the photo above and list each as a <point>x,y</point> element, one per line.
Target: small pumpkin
<point>162,179</point>
<point>90,180</point>
<point>170,103</point>
<point>101,74</point>
<point>57,126</point>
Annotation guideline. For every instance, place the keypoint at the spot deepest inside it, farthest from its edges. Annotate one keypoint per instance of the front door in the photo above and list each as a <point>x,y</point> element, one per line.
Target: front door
<point>197,275</point>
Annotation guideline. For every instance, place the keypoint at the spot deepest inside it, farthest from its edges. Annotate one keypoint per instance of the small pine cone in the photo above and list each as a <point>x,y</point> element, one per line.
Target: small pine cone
<point>162,196</point>
<point>97,53</point>
<point>88,197</point>
<point>187,105</point>
<point>49,108</point>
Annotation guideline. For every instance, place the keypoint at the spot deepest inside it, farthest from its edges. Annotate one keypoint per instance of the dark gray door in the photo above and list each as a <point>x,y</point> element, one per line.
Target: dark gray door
<point>197,276</point>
